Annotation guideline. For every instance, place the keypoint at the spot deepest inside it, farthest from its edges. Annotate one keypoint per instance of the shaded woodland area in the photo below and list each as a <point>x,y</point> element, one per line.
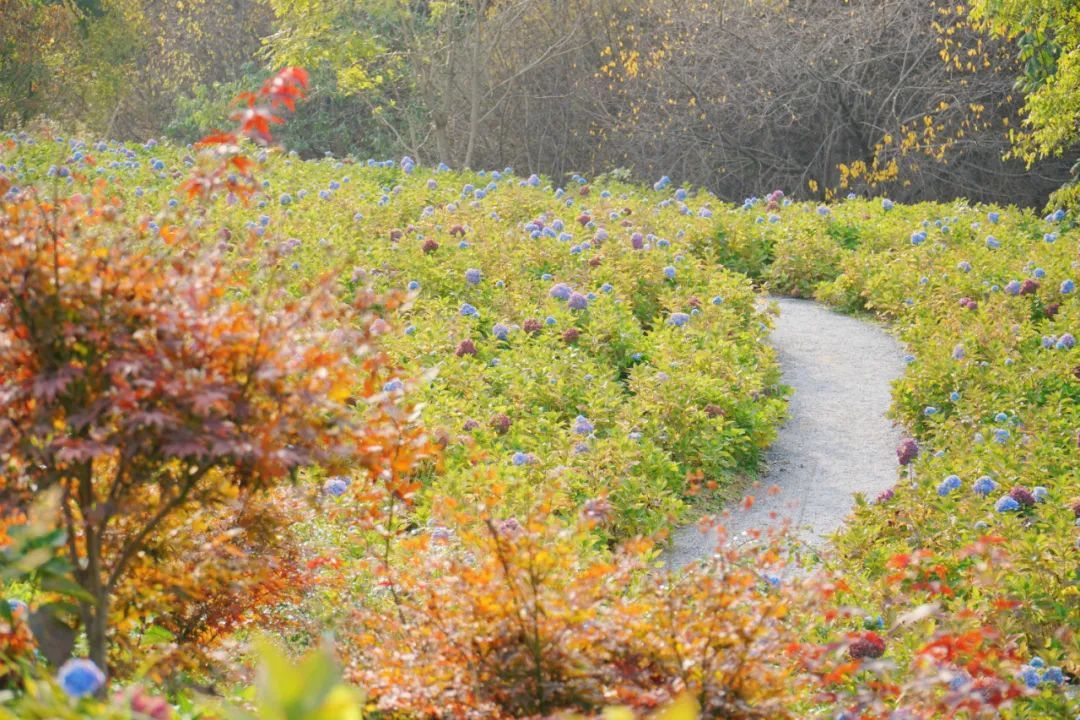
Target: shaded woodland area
<point>811,96</point>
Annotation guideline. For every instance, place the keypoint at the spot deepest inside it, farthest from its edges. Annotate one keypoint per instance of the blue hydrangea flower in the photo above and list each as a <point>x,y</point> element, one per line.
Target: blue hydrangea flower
<point>468,310</point>
<point>336,486</point>
<point>393,385</point>
<point>717,300</point>
<point>549,320</point>
<point>520,458</point>
<point>669,272</point>
<point>1001,435</point>
<point>473,276</point>
<point>582,426</point>
<point>964,266</point>
<point>929,410</point>
<point>1065,342</point>
<point>411,329</point>
<point>954,396</point>
<point>886,204</point>
<point>958,353</point>
<point>918,238</point>
<point>500,331</point>
<point>1054,676</point>
<point>678,319</point>
<point>1057,216</point>
<point>1067,286</point>
<point>1013,287</point>
<point>993,216</point>
<point>992,243</point>
<point>414,285</point>
<point>948,485</point>
<point>1030,676</point>
<point>1001,417</point>
<point>984,486</point>
<point>79,677</point>
<point>1006,504</point>
<point>606,287</point>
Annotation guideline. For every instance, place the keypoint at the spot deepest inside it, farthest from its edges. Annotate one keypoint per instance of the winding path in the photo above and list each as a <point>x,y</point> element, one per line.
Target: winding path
<point>836,440</point>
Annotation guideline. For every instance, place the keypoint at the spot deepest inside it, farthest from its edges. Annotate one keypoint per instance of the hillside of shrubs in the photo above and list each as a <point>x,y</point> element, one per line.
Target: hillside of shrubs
<point>287,438</point>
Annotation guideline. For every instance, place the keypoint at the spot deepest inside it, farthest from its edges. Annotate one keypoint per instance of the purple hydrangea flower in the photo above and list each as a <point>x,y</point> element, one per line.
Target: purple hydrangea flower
<point>473,276</point>
<point>577,301</point>
<point>79,677</point>
<point>907,451</point>
<point>1013,287</point>
<point>560,291</point>
<point>500,331</point>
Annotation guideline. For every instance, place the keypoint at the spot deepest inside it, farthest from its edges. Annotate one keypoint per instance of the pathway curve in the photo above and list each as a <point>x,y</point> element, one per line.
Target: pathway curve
<point>836,441</point>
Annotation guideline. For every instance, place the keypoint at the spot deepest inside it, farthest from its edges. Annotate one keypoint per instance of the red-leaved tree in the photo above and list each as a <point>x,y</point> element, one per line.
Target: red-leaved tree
<point>140,378</point>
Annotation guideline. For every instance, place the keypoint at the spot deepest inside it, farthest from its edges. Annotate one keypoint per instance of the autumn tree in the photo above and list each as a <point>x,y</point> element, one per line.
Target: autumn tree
<point>1046,34</point>
<point>141,378</point>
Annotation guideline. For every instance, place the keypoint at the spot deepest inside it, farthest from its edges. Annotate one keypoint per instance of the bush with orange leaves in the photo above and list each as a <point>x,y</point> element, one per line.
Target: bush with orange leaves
<point>489,617</point>
<point>501,618</point>
<point>140,379</point>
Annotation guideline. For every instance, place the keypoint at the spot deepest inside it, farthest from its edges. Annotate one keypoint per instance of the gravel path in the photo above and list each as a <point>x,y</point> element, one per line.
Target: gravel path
<point>836,440</point>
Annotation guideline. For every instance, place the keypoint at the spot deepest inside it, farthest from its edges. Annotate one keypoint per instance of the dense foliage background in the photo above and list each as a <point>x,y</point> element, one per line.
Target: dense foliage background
<point>919,96</point>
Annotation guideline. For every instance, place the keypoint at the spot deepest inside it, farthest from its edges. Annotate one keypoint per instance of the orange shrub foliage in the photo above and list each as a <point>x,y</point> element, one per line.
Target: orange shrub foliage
<point>507,619</point>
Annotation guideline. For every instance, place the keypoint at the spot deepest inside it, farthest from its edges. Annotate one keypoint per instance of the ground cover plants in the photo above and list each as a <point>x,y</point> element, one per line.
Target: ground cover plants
<point>442,412</point>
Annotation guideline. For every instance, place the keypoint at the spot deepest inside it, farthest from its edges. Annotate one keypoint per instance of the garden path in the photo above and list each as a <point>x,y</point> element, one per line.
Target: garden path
<point>837,439</point>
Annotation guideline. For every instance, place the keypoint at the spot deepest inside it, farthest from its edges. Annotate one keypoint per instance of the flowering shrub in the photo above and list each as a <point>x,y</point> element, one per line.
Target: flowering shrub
<point>585,364</point>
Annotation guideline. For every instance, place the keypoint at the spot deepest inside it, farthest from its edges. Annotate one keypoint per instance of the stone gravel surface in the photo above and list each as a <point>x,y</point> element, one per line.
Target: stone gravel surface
<point>837,440</point>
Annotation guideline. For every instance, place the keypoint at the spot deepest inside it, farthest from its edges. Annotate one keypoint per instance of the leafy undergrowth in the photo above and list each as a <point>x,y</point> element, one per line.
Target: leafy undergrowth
<point>573,341</point>
<point>586,363</point>
<point>985,300</point>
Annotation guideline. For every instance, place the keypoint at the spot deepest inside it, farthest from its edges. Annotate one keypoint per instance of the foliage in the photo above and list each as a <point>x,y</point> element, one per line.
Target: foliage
<point>1047,33</point>
<point>677,392</point>
<point>141,383</point>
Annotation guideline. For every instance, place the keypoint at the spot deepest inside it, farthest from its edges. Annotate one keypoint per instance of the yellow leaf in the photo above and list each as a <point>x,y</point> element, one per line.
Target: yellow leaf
<point>684,708</point>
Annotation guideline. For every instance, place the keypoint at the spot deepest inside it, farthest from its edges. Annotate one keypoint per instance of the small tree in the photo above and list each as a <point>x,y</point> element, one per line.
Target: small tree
<point>137,378</point>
